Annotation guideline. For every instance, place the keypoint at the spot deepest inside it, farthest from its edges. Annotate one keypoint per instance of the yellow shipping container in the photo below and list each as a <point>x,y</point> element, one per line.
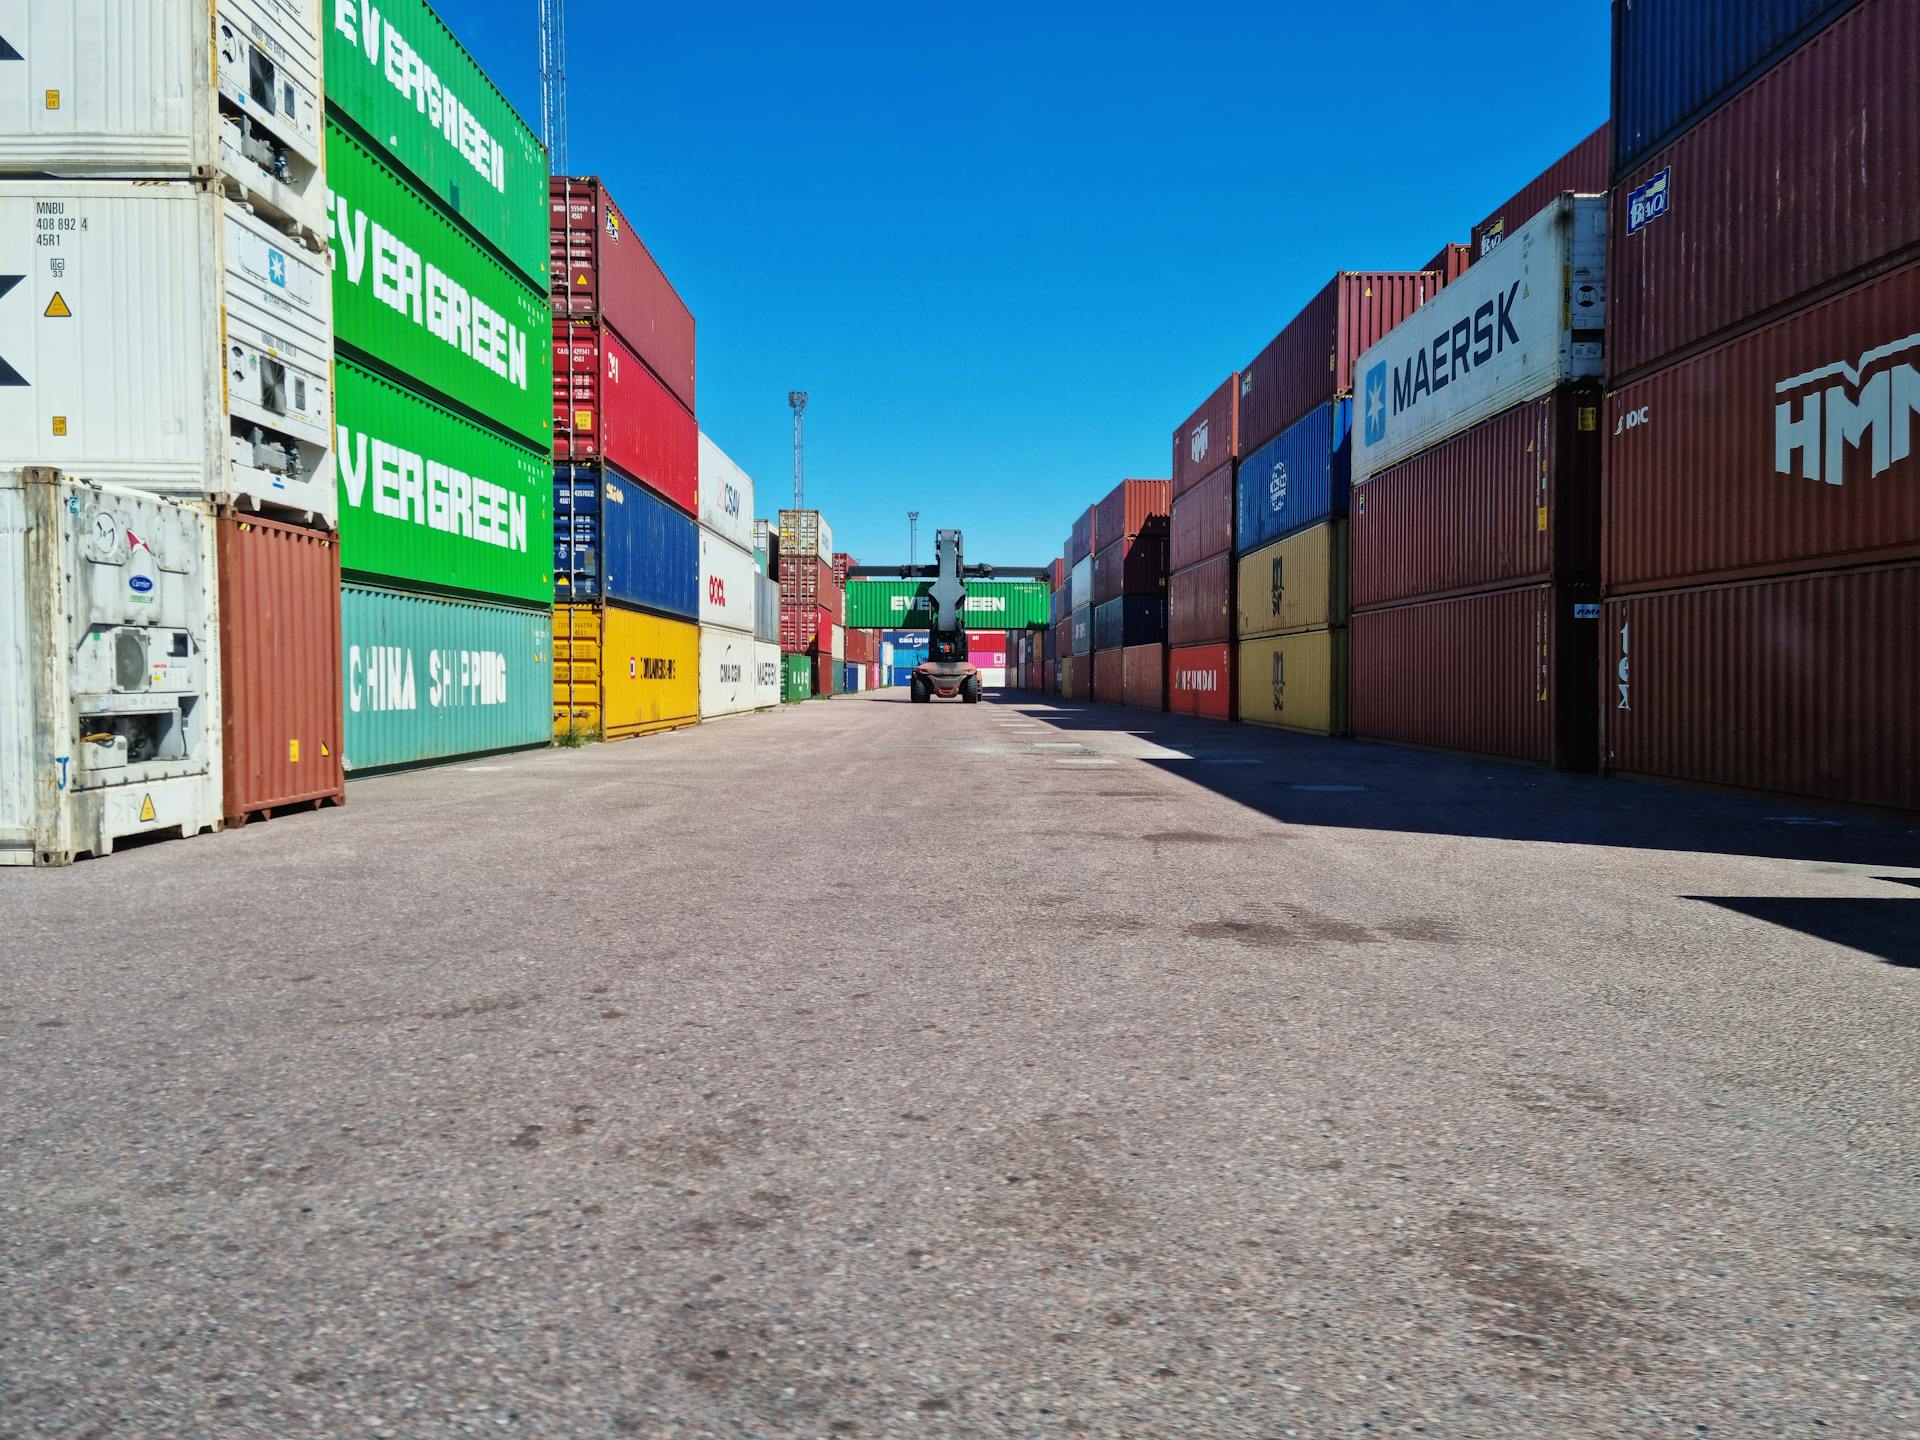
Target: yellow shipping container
<point>1299,583</point>
<point>621,672</point>
<point>1297,682</point>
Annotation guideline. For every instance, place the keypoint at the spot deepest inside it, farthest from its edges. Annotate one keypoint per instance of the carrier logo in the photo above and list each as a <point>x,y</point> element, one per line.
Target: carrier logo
<point>1279,585</point>
<point>1491,237</point>
<point>613,224</point>
<point>277,268</point>
<point>717,590</point>
<point>649,667</point>
<point>1456,352</point>
<point>1197,442</point>
<point>1279,681</point>
<point>1376,403</point>
<point>1205,680</point>
<point>405,485</point>
<point>381,678</point>
<point>1842,407</point>
<point>1620,670</point>
<point>1277,487</point>
<point>1650,201</point>
<point>368,32</point>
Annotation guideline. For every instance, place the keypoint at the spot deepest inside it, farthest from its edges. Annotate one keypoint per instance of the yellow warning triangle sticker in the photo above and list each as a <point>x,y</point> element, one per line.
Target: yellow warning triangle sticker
<point>325,753</point>
<point>146,810</point>
<point>581,281</point>
<point>57,308</point>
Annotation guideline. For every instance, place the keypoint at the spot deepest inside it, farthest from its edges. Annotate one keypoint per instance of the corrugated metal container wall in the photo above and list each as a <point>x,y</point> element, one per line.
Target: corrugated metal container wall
<point>728,683</point>
<point>1297,479</point>
<point>801,627</point>
<point>1513,500</point>
<point>1511,673</point>
<point>1809,176</point>
<point>766,610</point>
<point>1080,543</point>
<point>1311,361</point>
<point>1806,686</point>
<point>987,648</point>
<point>726,496</point>
<point>607,405</point>
<point>1200,681</point>
<point>796,678</point>
<point>599,264</point>
<point>1197,602</point>
<point>1202,522</point>
<point>1299,583</point>
<point>989,605</point>
<point>1080,585</point>
<point>1130,620</point>
<point>430,678</point>
<point>1062,638</point>
<point>1295,682</point>
<point>1133,566</point>
<point>726,586</point>
<point>464,142</point>
<point>808,581</point>
<point>1208,439</point>
<point>1768,451</point>
<point>1109,676</point>
<point>1082,626</point>
<point>1143,682</point>
<point>1450,263</point>
<point>767,678</point>
<point>826,674</point>
<point>618,673</point>
<point>436,500</point>
<point>383,234</point>
<point>280,704</point>
<point>1676,60</point>
<point>1587,169</point>
<point>618,540</point>
<point>1128,509</point>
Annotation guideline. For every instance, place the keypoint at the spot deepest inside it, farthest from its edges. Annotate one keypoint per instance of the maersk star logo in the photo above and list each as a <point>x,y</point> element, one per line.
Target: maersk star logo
<point>277,268</point>
<point>1377,404</point>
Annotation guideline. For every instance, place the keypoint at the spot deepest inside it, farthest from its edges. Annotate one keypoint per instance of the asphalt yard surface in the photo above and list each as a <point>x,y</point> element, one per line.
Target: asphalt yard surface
<point>1025,1069</point>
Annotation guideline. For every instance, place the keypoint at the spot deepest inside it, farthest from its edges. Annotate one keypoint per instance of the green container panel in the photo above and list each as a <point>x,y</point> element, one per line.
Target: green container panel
<point>429,498</point>
<point>430,678</point>
<point>905,604</point>
<point>396,71</point>
<point>418,294</point>
<point>796,677</point>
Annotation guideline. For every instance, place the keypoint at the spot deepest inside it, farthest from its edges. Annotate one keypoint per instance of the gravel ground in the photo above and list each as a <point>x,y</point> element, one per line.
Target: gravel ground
<point>1015,1070</point>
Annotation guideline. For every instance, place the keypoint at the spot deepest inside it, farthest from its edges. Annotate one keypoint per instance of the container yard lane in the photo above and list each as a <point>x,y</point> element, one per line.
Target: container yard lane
<point>1023,1069</point>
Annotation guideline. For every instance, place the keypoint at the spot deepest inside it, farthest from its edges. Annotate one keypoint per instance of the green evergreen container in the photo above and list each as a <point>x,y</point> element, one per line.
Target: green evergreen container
<point>415,292</point>
<point>430,678</point>
<point>396,71</point>
<point>905,604</point>
<point>796,677</point>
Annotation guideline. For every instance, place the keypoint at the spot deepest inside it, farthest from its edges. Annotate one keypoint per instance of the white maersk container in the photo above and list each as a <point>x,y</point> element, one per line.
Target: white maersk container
<point>737,673</point>
<point>728,584</point>
<point>766,674</point>
<point>726,497</point>
<point>1523,321</point>
<point>109,713</point>
<point>170,89</point>
<point>160,335</point>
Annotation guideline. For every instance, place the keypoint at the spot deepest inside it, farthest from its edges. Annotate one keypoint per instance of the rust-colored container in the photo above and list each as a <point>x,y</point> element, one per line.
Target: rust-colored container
<point>1059,575</point>
<point>1129,508</point>
<point>1806,686</point>
<point>1450,264</point>
<point>1200,681</point>
<point>1136,565</point>
<point>1808,177</point>
<point>1109,675</point>
<point>280,666</point>
<point>1202,522</point>
<point>1790,448</point>
<point>1143,682</point>
<point>802,626</point>
<point>1200,602</point>
<point>599,264</point>
<point>1311,361</point>
<point>1208,438</point>
<point>1516,499</point>
<point>1080,544</point>
<point>807,581</point>
<point>1510,673</point>
<point>1584,170</point>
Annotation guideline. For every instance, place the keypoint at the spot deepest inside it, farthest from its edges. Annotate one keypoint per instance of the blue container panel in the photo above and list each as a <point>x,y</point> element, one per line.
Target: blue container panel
<point>1298,478</point>
<point>909,656</point>
<point>1130,620</point>
<point>617,540</point>
<point>902,674</point>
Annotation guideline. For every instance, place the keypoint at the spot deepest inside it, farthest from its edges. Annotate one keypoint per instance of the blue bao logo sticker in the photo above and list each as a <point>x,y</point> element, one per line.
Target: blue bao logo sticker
<point>140,584</point>
<point>1376,403</point>
<point>613,223</point>
<point>1650,201</point>
<point>277,268</point>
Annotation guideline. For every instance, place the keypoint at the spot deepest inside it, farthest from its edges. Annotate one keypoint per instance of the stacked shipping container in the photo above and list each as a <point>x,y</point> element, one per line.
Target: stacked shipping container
<point>739,671</point>
<point>1130,591</point>
<point>1200,556</point>
<point>812,603</point>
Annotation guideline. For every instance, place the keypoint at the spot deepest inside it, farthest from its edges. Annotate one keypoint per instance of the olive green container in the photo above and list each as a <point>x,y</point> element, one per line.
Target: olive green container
<point>796,677</point>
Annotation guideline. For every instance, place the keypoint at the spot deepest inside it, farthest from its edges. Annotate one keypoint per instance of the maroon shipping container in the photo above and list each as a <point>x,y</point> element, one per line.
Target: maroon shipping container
<point>826,671</point>
<point>1208,438</point>
<point>1109,676</point>
<point>1080,543</point>
<point>1450,264</point>
<point>1136,566</point>
<point>1585,170</point>
<point>1806,686</point>
<point>1311,361</point>
<point>280,670</point>
<point>1063,639</point>
<point>1202,522</point>
<point>1510,673</point>
<point>608,406</point>
<point>1129,508</point>
<point>1059,577</point>
<point>807,581</point>
<point>1806,179</point>
<point>1514,500</point>
<point>1200,602</point>
<point>1790,448</point>
<point>1143,683</point>
<point>801,627</point>
<point>1200,681</point>
<point>599,265</point>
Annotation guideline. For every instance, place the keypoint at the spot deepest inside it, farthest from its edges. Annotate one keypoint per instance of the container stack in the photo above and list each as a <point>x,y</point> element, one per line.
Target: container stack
<point>626,450</point>
<point>908,649</point>
<point>1059,626</point>
<point>1584,170</point>
<point>1130,594</point>
<point>443,363</point>
<point>1077,680</point>
<point>169,333</point>
<point>738,671</point>
<point>1760,525</point>
<point>1200,557</point>
<point>1475,504</point>
<point>812,604</point>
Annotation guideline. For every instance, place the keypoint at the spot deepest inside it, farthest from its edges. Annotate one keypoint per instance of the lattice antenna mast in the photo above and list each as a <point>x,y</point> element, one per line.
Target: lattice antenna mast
<point>798,400</point>
<point>553,83</point>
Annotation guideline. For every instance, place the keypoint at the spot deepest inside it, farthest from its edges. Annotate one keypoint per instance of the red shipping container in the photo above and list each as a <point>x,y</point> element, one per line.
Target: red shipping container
<point>826,673</point>
<point>1080,543</point>
<point>1311,361</point>
<point>1129,508</point>
<point>608,406</point>
<point>801,627</point>
<point>1143,682</point>
<point>1450,264</point>
<point>1109,676</point>
<point>598,265</point>
<point>1806,686</point>
<point>987,649</point>
<point>1585,170</point>
<point>807,580</point>
<point>1200,681</point>
<point>1059,576</point>
<point>1208,438</point>
<point>1034,676</point>
<point>1790,448</point>
<point>1510,673</point>
<point>1200,602</point>
<point>1516,499</point>
<point>280,666</point>
<point>1809,176</point>
<point>1135,566</point>
<point>1202,522</point>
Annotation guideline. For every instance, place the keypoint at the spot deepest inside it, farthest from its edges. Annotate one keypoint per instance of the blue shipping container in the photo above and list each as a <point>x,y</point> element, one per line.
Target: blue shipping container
<point>1298,478</point>
<point>1130,620</point>
<point>1677,61</point>
<point>1083,630</point>
<point>903,674</point>
<point>614,539</point>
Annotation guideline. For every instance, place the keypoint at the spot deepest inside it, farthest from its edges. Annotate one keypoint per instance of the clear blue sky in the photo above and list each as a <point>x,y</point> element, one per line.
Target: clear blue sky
<point>1008,248</point>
